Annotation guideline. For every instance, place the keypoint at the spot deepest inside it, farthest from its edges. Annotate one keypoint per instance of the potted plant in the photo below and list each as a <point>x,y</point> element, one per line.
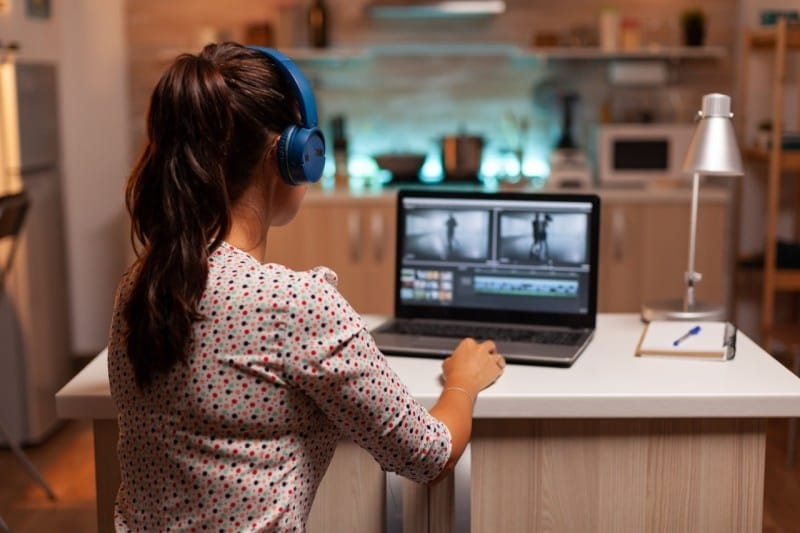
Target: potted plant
<point>693,22</point>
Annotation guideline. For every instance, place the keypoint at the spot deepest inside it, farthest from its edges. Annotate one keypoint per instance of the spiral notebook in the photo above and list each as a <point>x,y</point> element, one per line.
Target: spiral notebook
<point>703,339</point>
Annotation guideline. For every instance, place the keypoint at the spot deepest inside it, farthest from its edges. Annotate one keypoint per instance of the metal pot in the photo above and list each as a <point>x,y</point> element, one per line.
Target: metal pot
<point>461,156</point>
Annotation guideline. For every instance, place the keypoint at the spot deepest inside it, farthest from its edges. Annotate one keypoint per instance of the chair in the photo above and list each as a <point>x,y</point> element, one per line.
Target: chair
<point>13,209</point>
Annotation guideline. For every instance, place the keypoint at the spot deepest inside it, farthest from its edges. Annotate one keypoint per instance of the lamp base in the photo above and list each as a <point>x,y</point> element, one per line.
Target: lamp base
<point>676,310</point>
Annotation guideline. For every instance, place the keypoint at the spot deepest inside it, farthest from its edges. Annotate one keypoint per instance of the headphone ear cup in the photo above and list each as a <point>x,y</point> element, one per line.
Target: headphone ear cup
<point>283,155</point>
<point>301,155</point>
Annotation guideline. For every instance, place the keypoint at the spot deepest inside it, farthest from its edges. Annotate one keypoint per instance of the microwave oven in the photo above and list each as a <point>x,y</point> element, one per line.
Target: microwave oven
<point>640,154</point>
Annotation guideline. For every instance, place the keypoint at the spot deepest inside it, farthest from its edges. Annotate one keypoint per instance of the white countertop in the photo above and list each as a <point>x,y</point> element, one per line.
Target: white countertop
<point>607,381</point>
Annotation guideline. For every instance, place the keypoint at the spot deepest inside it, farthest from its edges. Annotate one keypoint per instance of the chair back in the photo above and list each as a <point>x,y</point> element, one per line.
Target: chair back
<point>13,209</point>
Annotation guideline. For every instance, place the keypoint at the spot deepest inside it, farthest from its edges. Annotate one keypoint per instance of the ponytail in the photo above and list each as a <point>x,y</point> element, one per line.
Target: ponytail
<point>207,129</point>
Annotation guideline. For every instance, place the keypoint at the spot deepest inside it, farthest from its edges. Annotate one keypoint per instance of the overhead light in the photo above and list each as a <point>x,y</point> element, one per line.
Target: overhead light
<point>445,8</point>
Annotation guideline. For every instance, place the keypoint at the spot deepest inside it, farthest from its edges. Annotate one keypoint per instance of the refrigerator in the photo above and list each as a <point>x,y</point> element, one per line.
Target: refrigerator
<point>35,359</point>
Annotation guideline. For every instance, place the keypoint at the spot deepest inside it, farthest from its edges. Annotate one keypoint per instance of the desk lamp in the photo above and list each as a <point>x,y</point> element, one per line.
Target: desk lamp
<point>713,152</point>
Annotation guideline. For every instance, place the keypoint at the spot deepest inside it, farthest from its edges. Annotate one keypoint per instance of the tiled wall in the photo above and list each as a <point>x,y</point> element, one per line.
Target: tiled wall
<point>395,101</point>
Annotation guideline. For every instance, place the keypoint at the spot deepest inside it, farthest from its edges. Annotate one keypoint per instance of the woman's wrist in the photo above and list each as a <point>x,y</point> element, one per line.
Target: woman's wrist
<point>462,382</point>
<point>460,390</point>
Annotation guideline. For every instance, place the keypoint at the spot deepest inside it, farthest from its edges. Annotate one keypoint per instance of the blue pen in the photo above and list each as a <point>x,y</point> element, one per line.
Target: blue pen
<point>694,331</point>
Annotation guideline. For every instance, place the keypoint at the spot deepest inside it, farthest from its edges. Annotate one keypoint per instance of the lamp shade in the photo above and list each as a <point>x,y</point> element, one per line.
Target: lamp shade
<point>713,150</point>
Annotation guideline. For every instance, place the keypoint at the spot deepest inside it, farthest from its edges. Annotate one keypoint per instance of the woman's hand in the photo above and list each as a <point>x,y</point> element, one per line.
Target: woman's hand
<point>473,366</point>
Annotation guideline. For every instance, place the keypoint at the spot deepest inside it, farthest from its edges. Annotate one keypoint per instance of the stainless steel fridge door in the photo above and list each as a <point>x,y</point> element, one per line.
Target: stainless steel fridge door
<point>37,101</point>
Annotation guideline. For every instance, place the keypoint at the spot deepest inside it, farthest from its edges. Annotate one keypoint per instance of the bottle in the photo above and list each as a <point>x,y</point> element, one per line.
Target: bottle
<point>318,24</point>
<point>340,149</point>
<point>609,29</point>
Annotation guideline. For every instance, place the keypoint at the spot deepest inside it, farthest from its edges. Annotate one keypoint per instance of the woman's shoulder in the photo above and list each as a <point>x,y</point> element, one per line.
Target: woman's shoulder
<point>319,274</point>
<point>125,284</point>
<point>231,268</point>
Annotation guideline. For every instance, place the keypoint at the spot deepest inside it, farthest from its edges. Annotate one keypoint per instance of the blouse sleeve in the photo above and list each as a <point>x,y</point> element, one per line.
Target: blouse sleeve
<point>350,380</point>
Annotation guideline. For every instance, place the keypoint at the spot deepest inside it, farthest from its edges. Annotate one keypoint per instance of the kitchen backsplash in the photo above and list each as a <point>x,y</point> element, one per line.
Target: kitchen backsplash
<point>402,84</point>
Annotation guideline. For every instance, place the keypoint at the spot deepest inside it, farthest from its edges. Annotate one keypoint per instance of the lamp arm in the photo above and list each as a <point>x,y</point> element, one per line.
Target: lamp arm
<point>692,277</point>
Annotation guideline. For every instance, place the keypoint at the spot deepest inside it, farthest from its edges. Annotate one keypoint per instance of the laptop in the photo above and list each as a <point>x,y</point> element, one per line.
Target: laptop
<point>519,268</point>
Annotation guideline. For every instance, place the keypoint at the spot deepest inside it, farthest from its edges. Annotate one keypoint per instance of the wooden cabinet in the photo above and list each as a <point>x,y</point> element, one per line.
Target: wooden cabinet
<point>780,163</point>
<point>644,247</point>
<point>521,475</point>
<point>351,496</point>
<point>358,497</point>
<point>353,236</point>
<point>616,475</point>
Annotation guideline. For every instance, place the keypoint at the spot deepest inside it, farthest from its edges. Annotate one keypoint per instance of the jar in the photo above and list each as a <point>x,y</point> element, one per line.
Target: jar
<point>609,29</point>
<point>630,36</point>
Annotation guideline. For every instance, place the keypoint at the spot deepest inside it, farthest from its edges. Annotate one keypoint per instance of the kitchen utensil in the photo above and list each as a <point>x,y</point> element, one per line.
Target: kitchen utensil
<point>461,156</point>
<point>339,147</point>
<point>568,165</point>
<point>403,166</point>
<point>568,99</point>
<point>515,129</point>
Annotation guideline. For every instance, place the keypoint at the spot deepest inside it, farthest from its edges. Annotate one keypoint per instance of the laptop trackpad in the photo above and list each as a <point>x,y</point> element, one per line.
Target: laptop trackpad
<point>445,346</point>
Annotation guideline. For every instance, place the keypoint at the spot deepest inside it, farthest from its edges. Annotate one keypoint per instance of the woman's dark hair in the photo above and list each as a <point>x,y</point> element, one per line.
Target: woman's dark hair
<point>208,129</point>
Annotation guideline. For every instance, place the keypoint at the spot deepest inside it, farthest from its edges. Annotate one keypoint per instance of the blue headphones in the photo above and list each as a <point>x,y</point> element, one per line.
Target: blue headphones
<point>301,148</point>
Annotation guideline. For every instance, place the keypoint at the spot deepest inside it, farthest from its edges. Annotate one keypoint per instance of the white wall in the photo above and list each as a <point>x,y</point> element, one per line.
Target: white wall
<point>86,40</point>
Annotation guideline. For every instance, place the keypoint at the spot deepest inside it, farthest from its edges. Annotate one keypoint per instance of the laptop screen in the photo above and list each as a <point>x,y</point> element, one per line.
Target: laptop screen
<point>497,257</point>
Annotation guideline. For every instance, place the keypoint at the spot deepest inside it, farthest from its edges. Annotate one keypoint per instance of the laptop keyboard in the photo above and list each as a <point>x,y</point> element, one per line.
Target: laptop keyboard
<point>496,333</point>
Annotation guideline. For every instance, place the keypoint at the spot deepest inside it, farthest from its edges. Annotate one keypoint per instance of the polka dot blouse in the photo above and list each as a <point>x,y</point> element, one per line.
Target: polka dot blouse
<point>239,438</point>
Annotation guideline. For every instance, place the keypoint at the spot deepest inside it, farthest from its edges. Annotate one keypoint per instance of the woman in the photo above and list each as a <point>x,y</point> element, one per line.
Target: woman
<point>233,377</point>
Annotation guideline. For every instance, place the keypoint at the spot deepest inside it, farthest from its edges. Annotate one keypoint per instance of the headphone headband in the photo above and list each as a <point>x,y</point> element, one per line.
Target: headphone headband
<point>301,148</point>
<point>300,84</point>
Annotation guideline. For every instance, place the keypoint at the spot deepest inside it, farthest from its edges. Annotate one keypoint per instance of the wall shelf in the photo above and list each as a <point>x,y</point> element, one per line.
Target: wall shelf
<point>443,49</point>
<point>519,55</point>
<point>768,38</point>
<point>329,57</point>
<point>672,53</point>
<point>790,159</point>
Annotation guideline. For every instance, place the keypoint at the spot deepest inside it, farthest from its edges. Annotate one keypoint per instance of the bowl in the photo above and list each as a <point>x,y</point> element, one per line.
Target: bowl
<point>403,166</point>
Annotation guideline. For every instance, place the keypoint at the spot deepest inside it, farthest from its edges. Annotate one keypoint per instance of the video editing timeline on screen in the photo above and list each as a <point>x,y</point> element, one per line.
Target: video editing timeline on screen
<point>519,256</point>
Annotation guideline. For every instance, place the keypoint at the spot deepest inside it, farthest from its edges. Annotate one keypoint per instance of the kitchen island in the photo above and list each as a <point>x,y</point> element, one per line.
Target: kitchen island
<point>614,443</point>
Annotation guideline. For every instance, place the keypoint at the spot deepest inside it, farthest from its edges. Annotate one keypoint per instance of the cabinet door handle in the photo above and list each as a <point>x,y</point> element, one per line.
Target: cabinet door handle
<point>618,234</point>
<point>394,503</point>
<point>378,236</point>
<point>354,235</point>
